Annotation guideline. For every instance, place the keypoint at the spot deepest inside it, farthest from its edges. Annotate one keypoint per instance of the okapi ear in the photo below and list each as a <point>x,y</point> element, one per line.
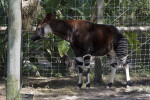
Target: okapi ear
<point>53,15</point>
<point>49,17</point>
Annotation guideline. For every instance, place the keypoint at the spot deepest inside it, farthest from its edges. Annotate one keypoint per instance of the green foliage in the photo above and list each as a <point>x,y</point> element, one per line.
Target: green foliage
<point>63,47</point>
<point>74,8</point>
<point>50,5</point>
<point>58,75</point>
<point>70,53</point>
<point>30,68</point>
<point>134,42</point>
<point>4,7</point>
<point>124,12</point>
<point>127,12</point>
<point>3,52</point>
<point>3,36</point>
<point>3,11</point>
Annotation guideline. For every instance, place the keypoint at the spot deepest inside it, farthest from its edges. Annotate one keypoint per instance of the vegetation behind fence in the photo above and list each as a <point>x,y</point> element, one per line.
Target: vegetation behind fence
<point>53,56</point>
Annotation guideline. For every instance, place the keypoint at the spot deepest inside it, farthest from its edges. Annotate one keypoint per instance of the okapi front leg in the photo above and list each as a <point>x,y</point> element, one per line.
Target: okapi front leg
<point>113,62</point>
<point>79,64</point>
<point>87,68</point>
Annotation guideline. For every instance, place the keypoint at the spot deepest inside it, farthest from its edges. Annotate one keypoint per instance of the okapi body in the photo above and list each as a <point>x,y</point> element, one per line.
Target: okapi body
<point>88,39</point>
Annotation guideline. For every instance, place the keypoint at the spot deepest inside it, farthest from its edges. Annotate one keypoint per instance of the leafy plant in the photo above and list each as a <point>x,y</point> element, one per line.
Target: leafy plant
<point>4,5</point>
<point>63,47</point>
<point>127,12</point>
<point>134,42</point>
<point>58,75</point>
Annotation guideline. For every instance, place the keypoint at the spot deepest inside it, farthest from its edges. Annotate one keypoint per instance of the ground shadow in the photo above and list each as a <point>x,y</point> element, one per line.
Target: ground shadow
<point>51,82</point>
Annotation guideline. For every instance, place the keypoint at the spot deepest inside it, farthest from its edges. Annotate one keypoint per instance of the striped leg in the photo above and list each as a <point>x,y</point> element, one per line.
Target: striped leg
<point>126,66</point>
<point>79,64</point>
<point>121,52</point>
<point>112,76</point>
<point>113,62</point>
<point>127,76</point>
<point>87,67</point>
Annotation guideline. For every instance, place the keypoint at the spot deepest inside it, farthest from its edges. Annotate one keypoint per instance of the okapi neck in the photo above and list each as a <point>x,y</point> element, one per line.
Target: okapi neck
<point>62,29</point>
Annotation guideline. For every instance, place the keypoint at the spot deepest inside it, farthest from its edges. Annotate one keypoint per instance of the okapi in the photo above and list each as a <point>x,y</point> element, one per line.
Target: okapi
<point>88,39</point>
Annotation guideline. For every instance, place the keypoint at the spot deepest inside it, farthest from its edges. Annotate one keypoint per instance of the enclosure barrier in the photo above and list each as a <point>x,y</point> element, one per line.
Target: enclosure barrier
<point>132,19</point>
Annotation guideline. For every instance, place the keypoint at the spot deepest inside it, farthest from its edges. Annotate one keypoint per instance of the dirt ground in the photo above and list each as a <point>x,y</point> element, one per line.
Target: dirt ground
<point>2,89</point>
<point>64,88</point>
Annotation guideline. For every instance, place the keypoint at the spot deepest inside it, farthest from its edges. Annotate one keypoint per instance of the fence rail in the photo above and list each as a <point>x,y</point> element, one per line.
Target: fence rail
<point>130,28</point>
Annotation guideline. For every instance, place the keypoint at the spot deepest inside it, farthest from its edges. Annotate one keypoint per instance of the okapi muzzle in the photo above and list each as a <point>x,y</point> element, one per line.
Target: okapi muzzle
<point>41,31</point>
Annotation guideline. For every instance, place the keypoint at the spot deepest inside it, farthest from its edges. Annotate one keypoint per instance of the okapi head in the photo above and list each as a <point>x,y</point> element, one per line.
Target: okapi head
<point>43,28</point>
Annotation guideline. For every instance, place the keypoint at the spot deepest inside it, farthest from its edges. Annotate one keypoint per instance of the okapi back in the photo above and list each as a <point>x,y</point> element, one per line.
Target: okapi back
<point>94,39</point>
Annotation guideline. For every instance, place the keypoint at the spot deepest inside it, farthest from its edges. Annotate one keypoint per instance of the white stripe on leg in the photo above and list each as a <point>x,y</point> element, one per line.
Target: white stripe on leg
<point>80,59</point>
<point>80,78</point>
<point>88,78</point>
<point>79,64</point>
<point>88,74</point>
<point>127,78</point>
<point>87,67</point>
<point>112,75</point>
<point>127,72</point>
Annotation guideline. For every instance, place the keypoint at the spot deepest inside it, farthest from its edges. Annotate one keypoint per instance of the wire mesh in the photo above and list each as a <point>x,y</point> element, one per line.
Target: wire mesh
<point>3,40</point>
<point>43,56</point>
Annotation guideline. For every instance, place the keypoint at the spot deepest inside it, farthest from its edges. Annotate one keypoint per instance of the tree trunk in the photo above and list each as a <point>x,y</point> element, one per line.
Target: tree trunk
<point>98,70</point>
<point>14,47</point>
<point>100,4</point>
<point>98,62</point>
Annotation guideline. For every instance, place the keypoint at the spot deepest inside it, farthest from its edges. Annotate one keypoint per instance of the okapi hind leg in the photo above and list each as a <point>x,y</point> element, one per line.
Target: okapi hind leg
<point>87,68</point>
<point>79,64</point>
<point>121,52</point>
<point>126,66</point>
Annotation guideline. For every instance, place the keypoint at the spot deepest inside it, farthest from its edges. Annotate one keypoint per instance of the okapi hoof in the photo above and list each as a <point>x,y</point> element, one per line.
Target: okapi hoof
<point>128,84</point>
<point>79,85</point>
<point>88,86</point>
<point>109,85</point>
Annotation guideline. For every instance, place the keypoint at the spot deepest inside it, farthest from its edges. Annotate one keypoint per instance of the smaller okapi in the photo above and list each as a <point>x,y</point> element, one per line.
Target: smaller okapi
<point>88,39</point>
